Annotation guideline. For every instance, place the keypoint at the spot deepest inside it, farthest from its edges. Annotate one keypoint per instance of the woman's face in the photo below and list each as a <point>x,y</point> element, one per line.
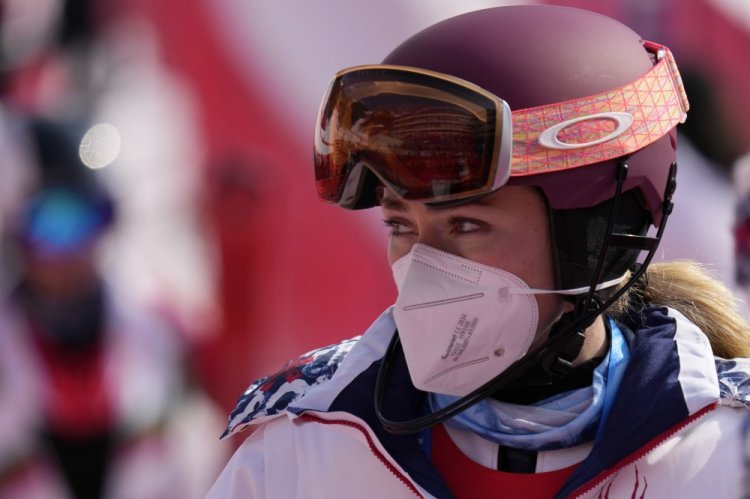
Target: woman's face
<point>507,229</point>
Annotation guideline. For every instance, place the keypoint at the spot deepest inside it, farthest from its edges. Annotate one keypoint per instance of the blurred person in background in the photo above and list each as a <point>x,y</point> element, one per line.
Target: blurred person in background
<point>524,159</point>
<point>88,288</point>
<point>89,384</point>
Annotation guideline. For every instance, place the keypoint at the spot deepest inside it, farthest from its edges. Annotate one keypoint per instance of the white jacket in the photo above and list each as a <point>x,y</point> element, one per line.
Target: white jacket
<point>676,430</point>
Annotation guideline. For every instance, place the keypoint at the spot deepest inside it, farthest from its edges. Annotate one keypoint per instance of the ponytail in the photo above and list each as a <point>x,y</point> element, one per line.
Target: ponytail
<point>686,287</point>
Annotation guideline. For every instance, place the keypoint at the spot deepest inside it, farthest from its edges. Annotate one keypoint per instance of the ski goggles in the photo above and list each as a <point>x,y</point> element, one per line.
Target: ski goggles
<point>431,137</point>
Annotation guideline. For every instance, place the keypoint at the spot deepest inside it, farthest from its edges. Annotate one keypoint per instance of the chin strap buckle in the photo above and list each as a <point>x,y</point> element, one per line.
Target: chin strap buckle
<point>559,363</point>
<point>560,368</point>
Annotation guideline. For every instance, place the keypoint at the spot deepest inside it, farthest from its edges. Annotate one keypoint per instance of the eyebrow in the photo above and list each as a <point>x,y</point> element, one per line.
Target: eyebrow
<point>393,203</point>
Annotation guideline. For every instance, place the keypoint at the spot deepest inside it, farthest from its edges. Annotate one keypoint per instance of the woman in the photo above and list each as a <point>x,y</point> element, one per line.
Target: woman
<point>520,156</point>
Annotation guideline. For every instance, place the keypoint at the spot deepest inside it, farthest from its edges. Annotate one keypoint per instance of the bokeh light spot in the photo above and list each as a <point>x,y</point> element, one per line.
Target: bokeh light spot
<point>100,145</point>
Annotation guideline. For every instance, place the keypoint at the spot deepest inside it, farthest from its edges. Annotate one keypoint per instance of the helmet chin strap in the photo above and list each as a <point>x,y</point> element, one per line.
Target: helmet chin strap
<point>556,355</point>
<point>558,362</point>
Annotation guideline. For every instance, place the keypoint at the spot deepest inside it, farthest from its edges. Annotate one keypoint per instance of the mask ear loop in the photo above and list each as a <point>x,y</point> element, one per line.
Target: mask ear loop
<point>537,356</point>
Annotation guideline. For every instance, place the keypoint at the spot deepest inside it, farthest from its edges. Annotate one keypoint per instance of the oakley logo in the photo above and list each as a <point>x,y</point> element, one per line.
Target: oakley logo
<point>549,137</point>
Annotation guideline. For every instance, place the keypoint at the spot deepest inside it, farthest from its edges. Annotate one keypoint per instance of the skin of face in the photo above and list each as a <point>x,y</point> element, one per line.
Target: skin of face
<point>508,229</point>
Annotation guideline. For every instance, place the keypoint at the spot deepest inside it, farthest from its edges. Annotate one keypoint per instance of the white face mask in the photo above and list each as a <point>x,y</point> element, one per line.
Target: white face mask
<point>462,323</point>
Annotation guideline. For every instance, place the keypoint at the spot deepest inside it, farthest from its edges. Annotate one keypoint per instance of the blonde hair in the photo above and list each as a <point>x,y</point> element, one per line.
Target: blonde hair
<point>688,288</point>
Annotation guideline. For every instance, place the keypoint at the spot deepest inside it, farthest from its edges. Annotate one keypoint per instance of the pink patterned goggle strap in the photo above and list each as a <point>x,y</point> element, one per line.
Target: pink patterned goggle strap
<point>603,126</point>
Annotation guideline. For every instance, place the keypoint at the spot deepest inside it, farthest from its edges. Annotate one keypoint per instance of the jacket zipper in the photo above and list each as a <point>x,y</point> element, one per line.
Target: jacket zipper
<point>370,444</point>
<point>645,449</point>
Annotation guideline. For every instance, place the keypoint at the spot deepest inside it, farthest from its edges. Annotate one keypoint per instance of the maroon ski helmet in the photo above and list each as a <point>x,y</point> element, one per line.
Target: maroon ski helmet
<point>593,110</point>
<point>533,55</point>
<point>536,55</point>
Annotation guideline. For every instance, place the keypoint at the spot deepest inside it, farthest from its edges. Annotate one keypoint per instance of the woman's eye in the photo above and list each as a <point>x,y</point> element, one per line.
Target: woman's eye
<point>397,228</point>
<point>465,226</point>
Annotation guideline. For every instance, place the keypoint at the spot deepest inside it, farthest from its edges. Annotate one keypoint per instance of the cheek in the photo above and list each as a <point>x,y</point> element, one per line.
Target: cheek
<point>540,270</point>
<point>551,308</point>
<point>527,254</point>
<point>537,253</point>
<point>397,248</point>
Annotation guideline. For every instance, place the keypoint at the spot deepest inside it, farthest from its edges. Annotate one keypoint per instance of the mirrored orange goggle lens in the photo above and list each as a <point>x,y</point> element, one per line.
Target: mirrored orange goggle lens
<point>424,137</point>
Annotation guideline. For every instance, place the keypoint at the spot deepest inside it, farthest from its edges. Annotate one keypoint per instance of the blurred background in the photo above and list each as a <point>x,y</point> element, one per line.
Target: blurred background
<point>185,131</point>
